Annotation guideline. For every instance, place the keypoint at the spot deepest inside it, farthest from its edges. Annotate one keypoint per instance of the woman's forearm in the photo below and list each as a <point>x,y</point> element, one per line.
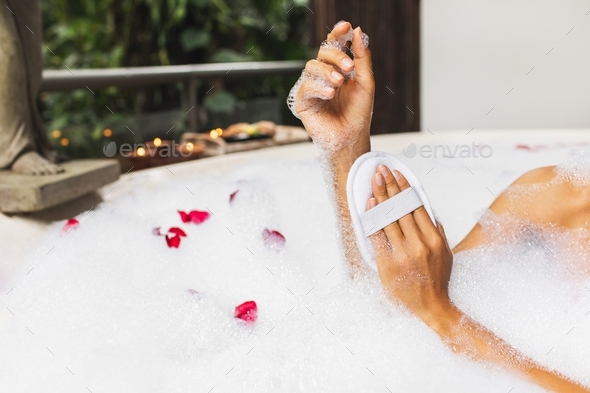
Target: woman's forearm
<point>338,165</point>
<point>468,337</point>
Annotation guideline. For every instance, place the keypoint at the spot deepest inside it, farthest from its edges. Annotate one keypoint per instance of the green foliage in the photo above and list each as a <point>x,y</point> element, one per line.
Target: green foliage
<point>124,33</point>
<point>192,39</point>
<point>220,101</point>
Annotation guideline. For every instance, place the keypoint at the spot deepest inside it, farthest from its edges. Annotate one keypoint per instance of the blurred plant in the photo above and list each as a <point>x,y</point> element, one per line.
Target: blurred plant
<point>124,33</point>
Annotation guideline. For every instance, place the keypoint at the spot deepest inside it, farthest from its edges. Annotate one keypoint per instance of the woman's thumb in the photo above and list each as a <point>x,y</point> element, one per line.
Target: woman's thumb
<point>362,55</point>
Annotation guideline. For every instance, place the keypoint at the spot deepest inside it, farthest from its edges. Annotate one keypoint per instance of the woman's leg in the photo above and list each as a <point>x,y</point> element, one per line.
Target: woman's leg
<point>536,198</point>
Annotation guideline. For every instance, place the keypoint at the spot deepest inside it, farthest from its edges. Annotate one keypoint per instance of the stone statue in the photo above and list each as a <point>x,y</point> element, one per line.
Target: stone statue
<point>24,147</point>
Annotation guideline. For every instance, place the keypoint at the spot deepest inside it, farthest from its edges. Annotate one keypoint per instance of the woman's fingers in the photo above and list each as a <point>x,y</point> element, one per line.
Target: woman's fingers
<point>403,246</point>
<point>339,30</point>
<point>420,215</point>
<point>380,242</point>
<point>321,82</point>
<point>336,58</point>
<point>420,227</point>
<point>333,52</point>
<point>340,60</point>
<point>324,72</point>
<point>362,57</point>
<point>393,231</point>
<point>314,89</point>
<point>406,223</point>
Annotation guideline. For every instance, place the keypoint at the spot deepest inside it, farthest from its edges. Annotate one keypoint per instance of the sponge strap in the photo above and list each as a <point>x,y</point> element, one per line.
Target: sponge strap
<point>390,211</point>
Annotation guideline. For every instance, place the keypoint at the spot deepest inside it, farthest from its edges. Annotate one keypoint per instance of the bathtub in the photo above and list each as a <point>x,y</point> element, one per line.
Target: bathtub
<point>16,227</point>
<point>469,172</point>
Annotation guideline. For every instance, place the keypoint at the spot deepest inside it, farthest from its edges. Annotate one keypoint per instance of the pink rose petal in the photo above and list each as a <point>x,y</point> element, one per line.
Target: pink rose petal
<point>247,311</point>
<point>273,240</point>
<point>523,147</point>
<point>156,231</point>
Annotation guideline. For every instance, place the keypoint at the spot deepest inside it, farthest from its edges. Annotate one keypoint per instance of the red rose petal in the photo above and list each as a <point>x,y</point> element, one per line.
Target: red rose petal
<point>173,242</point>
<point>273,239</point>
<point>176,231</point>
<point>523,147</point>
<point>247,311</point>
<point>194,216</point>
<point>184,216</point>
<point>198,217</point>
<point>173,236</point>
<point>233,195</point>
<point>72,223</point>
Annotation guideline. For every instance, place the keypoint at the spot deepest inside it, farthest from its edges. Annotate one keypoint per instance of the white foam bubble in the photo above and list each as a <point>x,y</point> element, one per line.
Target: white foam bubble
<point>365,38</point>
<point>576,169</point>
<point>530,288</point>
<point>108,309</point>
<point>291,98</point>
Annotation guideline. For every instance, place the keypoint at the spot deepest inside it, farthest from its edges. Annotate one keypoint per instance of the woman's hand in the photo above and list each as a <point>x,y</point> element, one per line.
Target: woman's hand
<point>414,263</point>
<point>413,257</point>
<point>335,108</point>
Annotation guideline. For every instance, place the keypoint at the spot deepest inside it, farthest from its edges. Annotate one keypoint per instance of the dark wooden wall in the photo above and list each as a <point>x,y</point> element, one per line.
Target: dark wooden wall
<point>393,27</point>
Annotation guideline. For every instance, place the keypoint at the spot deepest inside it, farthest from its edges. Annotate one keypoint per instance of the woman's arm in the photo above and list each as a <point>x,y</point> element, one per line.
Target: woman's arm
<point>414,263</point>
<point>339,167</point>
<point>413,256</point>
<point>468,337</point>
<point>336,110</point>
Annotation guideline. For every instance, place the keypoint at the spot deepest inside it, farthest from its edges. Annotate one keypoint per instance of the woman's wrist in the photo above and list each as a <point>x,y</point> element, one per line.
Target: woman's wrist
<point>344,157</point>
<point>443,318</point>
